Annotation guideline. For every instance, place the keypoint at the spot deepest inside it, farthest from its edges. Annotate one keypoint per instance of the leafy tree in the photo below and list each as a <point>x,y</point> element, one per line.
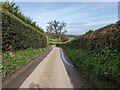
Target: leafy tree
<point>57,28</point>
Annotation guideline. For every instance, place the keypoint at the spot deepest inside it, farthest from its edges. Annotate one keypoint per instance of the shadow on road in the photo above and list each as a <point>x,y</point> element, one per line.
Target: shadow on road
<point>34,86</point>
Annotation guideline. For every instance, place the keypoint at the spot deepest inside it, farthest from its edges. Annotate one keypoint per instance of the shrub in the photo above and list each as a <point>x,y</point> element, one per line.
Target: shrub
<point>18,35</point>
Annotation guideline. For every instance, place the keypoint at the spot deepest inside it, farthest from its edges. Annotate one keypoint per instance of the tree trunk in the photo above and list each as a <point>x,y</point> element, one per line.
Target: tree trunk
<point>59,40</point>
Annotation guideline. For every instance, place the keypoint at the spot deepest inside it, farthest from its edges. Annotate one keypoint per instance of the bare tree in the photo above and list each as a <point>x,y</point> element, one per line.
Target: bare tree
<point>57,28</point>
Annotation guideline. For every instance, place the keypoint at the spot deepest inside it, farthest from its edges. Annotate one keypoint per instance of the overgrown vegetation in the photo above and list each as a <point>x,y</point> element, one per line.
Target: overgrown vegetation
<point>19,35</point>
<point>108,36</point>
<point>22,39</point>
<point>14,9</point>
<point>96,54</point>
<point>14,61</point>
<point>101,70</point>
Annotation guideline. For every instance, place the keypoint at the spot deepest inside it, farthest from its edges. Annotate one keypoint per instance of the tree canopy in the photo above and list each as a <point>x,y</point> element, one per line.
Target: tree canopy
<point>57,28</point>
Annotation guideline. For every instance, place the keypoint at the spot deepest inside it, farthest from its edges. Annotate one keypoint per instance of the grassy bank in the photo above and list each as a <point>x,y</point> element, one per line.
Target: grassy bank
<point>13,61</point>
<point>100,69</point>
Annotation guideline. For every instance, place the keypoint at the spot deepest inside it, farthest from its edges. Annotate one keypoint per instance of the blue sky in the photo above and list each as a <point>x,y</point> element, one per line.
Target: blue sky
<point>79,16</point>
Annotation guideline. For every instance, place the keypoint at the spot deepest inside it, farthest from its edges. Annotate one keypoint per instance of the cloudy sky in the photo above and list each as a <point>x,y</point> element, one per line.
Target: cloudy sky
<point>79,16</point>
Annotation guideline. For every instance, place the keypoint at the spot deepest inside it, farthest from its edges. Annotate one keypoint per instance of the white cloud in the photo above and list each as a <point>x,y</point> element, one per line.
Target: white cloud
<point>79,17</point>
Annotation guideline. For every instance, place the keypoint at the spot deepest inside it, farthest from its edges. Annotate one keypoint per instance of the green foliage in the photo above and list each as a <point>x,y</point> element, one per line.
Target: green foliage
<point>53,40</point>
<point>18,35</point>
<point>22,39</point>
<point>101,69</point>
<point>64,38</point>
<point>87,34</point>
<point>15,9</point>
<point>108,36</point>
<point>12,63</point>
<point>97,55</point>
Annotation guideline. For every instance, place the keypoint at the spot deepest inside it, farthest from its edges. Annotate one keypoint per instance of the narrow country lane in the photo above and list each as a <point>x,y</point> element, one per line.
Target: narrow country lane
<point>50,73</point>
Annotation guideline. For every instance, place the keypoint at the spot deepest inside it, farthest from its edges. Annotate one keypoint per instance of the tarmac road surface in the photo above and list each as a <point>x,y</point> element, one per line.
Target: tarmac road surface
<point>53,69</point>
<point>50,73</point>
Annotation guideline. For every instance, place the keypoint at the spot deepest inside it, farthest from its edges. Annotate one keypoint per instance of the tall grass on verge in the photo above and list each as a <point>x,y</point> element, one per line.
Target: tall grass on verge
<point>101,69</point>
<point>14,61</point>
